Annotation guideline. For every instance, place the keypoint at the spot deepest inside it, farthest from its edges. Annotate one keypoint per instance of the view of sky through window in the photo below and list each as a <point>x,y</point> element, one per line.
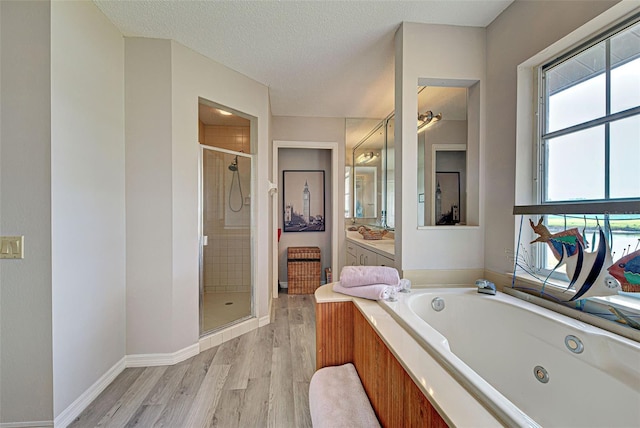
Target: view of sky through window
<point>576,166</point>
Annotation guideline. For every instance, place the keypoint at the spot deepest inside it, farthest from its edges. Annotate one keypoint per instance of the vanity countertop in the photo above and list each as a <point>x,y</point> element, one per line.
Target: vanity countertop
<point>384,246</point>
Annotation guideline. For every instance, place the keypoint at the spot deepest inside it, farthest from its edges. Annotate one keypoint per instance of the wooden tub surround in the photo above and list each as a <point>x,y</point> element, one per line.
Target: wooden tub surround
<point>405,385</point>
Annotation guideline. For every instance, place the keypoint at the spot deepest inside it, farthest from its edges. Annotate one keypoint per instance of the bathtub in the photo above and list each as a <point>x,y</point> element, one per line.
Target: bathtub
<point>527,365</point>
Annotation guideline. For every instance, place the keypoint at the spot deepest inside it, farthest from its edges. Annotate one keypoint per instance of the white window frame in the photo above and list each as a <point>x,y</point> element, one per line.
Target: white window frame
<point>542,136</point>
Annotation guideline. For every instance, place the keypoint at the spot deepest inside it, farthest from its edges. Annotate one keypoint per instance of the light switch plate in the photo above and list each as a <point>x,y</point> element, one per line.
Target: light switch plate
<point>11,247</point>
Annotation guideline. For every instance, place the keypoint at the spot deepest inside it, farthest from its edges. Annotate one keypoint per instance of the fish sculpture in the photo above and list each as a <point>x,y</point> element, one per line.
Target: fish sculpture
<point>588,271</point>
<point>567,239</point>
<point>627,271</point>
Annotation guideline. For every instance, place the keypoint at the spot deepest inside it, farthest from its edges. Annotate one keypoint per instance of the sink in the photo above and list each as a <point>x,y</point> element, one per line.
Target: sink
<point>386,245</point>
<point>383,244</point>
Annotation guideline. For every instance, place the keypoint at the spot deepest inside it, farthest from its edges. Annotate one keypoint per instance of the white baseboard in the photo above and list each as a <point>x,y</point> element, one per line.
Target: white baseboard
<point>231,332</point>
<point>73,411</point>
<point>150,360</point>
<point>33,424</point>
<point>262,321</point>
<point>284,284</point>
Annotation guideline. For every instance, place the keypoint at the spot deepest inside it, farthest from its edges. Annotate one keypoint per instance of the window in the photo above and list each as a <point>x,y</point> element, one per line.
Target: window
<point>590,132</point>
<point>588,146</point>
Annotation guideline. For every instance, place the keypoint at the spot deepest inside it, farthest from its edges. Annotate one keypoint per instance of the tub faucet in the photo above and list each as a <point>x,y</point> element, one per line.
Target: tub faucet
<point>486,287</point>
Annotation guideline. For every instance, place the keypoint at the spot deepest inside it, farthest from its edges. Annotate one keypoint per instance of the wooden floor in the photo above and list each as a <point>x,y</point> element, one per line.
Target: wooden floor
<point>260,379</point>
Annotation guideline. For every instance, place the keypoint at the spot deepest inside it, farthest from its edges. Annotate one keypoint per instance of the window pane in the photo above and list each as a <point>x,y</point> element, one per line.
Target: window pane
<point>576,89</point>
<point>575,166</point>
<point>625,73</point>
<point>625,86</point>
<point>624,174</point>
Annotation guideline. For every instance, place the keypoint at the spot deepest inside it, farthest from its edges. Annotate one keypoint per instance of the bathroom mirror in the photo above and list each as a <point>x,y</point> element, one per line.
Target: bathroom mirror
<point>366,191</point>
<point>389,213</point>
<point>365,137</point>
<point>367,170</point>
<point>443,160</point>
<point>347,191</point>
<point>370,155</point>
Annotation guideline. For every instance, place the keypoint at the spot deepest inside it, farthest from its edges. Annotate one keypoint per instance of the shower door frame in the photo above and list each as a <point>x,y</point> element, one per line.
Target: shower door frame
<point>201,238</point>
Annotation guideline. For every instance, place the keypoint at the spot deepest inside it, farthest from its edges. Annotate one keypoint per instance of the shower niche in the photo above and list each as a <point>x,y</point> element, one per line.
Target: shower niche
<point>226,265</point>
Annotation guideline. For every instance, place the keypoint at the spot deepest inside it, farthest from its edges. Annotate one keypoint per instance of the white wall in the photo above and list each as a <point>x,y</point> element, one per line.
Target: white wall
<point>458,55</point>
<point>301,129</point>
<point>26,377</point>
<point>88,198</point>
<point>521,31</point>
<point>164,80</point>
<point>149,233</point>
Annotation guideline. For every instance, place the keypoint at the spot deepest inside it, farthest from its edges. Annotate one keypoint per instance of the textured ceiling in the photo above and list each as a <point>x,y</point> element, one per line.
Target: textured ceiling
<point>319,58</point>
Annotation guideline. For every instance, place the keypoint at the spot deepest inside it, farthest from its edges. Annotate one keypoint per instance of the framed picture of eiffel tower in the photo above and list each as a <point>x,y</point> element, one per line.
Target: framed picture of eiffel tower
<point>303,201</point>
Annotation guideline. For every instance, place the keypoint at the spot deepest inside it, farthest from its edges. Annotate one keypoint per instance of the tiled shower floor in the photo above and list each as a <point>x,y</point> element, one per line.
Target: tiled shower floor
<point>223,308</point>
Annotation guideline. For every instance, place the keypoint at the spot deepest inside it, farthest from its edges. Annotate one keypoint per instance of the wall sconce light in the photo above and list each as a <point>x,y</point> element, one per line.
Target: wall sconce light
<point>366,157</point>
<point>427,119</point>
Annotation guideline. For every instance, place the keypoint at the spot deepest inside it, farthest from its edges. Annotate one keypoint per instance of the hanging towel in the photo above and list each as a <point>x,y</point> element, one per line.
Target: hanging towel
<point>355,276</point>
<point>371,292</point>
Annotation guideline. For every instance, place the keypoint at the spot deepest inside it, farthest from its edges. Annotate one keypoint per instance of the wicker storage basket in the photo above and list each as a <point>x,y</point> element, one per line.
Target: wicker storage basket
<point>303,269</point>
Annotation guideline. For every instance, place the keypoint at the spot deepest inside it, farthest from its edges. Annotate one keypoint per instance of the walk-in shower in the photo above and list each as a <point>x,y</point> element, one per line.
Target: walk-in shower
<point>226,282</point>
<point>226,250</point>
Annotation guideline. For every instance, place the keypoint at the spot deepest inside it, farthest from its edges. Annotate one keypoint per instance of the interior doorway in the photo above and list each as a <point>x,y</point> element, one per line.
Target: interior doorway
<point>334,173</point>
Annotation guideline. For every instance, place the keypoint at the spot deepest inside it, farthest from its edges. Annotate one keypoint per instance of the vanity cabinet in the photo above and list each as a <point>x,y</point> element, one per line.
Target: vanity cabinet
<point>352,254</point>
<point>352,260</point>
<point>384,261</point>
<point>358,255</point>
<point>367,257</point>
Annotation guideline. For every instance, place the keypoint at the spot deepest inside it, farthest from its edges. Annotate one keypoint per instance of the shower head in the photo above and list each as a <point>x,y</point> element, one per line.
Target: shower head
<point>233,166</point>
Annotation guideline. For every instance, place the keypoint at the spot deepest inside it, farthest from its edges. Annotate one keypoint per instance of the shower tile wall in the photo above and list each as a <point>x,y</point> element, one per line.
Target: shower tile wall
<point>234,138</point>
<point>228,263</point>
<point>227,258</point>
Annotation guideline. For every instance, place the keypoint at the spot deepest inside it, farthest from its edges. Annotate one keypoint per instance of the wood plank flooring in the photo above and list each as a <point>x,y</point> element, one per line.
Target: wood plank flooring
<point>260,379</point>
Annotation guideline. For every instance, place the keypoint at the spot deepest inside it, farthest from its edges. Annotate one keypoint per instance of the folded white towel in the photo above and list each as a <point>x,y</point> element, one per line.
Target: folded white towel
<point>371,292</point>
<point>356,276</point>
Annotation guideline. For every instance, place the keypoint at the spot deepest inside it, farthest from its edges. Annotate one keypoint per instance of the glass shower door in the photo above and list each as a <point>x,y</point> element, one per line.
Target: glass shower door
<point>225,261</point>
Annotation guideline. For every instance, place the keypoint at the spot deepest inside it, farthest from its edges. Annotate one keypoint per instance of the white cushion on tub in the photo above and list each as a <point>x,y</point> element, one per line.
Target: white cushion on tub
<point>337,399</point>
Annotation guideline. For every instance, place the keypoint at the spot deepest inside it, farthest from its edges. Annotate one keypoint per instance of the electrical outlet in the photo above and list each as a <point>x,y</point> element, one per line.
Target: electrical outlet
<point>12,247</point>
